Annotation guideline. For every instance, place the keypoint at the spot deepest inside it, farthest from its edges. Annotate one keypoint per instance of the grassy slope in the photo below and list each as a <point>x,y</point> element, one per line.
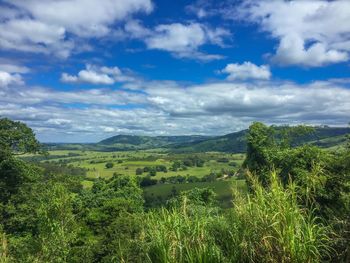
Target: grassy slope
<point>236,142</point>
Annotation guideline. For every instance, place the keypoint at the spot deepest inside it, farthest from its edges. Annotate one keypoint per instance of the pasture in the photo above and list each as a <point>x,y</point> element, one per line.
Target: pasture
<point>127,162</point>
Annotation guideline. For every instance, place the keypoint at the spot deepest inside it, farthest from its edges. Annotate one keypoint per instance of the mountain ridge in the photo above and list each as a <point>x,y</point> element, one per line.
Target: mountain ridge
<point>235,142</point>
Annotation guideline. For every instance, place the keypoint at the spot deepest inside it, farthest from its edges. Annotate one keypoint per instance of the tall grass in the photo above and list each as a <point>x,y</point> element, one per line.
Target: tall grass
<point>182,235</point>
<point>4,257</point>
<point>267,226</point>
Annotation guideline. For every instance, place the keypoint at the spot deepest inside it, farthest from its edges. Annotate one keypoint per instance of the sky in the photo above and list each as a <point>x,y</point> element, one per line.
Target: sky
<point>84,70</point>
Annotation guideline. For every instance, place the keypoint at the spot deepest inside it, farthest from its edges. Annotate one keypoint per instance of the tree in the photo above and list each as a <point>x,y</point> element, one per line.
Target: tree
<point>17,138</point>
<point>260,142</point>
<point>153,172</point>
<point>57,226</point>
<point>109,165</point>
<point>139,171</point>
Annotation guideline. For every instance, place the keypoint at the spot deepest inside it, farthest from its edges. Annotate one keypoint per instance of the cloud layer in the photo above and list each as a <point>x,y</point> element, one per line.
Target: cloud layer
<point>169,107</point>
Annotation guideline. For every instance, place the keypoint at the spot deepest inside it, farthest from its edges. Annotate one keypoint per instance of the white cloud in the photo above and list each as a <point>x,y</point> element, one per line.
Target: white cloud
<point>13,68</point>
<point>136,30</point>
<point>42,27</point>
<point>247,70</point>
<point>34,36</point>
<point>203,8</point>
<point>85,76</point>
<point>7,79</point>
<point>311,33</point>
<point>97,75</point>
<point>84,18</point>
<point>181,39</point>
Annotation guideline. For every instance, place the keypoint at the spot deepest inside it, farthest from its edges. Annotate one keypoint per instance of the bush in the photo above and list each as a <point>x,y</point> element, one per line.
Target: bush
<point>223,160</point>
<point>109,165</point>
<point>147,181</point>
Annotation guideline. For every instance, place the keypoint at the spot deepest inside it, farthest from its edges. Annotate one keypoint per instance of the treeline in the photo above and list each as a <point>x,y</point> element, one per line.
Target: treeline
<point>297,210</point>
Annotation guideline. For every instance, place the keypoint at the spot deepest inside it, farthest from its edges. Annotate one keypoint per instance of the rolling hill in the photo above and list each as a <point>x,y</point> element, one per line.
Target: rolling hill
<point>326,137</point>
<point>148,142</point>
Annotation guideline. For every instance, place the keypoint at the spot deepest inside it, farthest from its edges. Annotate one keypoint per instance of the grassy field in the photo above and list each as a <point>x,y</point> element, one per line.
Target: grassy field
<point>126,163</point>
<point>222,188</point>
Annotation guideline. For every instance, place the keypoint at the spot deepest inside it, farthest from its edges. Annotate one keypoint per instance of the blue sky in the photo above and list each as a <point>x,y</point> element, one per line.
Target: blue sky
<point>84,70</point>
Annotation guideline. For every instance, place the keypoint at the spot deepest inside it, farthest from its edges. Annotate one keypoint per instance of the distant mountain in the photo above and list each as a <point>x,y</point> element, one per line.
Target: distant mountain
<point>325,137</point>
<point>148,142</point>
<point>233,142</point>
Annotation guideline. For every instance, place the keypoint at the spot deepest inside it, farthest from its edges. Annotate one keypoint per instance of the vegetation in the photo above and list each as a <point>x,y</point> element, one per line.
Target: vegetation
<point>322,136</point>
<point>287,202</point>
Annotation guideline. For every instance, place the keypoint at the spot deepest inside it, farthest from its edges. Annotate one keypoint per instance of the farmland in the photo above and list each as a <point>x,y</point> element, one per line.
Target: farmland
<point>217,171</point>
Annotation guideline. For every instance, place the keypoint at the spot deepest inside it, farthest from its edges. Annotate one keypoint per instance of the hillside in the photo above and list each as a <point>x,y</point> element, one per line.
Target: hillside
<point>325,137</point>
<point>148,142</point>
<point>233,142</point>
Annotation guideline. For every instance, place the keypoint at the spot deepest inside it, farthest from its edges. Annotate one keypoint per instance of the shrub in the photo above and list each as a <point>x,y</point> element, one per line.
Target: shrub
<point>109,165</point>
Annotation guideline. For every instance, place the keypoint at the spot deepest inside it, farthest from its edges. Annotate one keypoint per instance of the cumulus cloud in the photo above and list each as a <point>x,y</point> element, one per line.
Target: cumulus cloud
<point>247,70</point>
<point>8,79</point>
<point>311,33</point>
<point>34,26</point>
<point>184,40</point>
<point>97,75</point>
<point>181,39</point>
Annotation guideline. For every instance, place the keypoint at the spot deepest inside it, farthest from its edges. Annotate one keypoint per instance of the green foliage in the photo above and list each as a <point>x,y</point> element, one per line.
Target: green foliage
<point>109,165</point>
<point>4,253</point>
<point>139,171</point>
<point>195,197</point>
<point>147,181</point>
<point>56,224</point>
<point>300,213</point>
<point>321,178</point>
<point>270,226</point>
<point>17,138</point>
<point>15,176</point>
<point>109,212</point>
<point>178,235</point>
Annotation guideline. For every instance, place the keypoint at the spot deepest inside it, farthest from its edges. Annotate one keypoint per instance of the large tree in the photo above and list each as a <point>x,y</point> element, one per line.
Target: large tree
<point>17,138</point>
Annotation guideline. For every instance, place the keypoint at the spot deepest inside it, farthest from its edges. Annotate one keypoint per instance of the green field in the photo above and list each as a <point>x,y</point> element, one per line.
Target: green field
<point>126,163</point>
<point>222,188</point>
